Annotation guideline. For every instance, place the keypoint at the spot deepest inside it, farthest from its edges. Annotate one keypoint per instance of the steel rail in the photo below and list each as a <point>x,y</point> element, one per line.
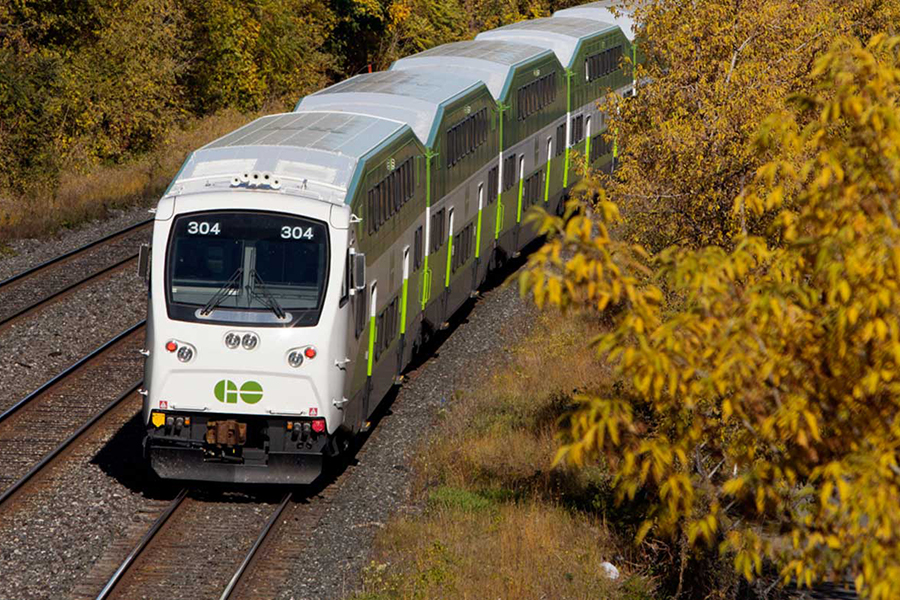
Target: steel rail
<point>47,299</point>
<point>253,549</point>
<point>70,369</point>
<point>141,545</point>
<point>68,441</point>
<point>72,253</point>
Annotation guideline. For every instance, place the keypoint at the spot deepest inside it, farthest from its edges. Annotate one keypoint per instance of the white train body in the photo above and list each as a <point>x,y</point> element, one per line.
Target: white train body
<point>299,262</point>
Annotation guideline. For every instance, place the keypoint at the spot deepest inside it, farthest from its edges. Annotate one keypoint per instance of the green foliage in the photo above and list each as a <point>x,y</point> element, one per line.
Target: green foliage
<point>93,83</point>
<point>458,499</point>
<point>256,51</point>
<point>759,383</point>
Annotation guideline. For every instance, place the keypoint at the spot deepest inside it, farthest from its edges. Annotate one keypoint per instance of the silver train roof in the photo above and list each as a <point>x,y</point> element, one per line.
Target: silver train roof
<point>492,61</point>
<point>416,98</point>
<point>562,35</point>
<point>313,154</point>
<point>601,11</point>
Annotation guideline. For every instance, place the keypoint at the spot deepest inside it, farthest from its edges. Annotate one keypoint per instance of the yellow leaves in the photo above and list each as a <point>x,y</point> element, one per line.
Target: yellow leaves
<point>844,290</point>
<point>766,376</point>
<point>727,409</point>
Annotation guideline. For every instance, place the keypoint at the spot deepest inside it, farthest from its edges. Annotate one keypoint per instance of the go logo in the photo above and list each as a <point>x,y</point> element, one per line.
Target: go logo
<point>227,391</point>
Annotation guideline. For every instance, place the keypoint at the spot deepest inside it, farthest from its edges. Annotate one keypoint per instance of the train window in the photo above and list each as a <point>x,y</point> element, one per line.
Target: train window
<point>462,247</point>
<point>560,138</point>
<point>345,282</point>
<point>360,312</point>
<point>602,145</point>
<point>510,174</point>
<point>466,136</point>
<point>602,63</point>
<point>577,130</point>
<point>536,96</point>
<point>370,212</point>
<point>379,335</point>
<point>533,187</point>
<point>418,248</point>
<point>493,178</point>
<point>437,231</point>
<point>386,328</point>
<point>387,197</point>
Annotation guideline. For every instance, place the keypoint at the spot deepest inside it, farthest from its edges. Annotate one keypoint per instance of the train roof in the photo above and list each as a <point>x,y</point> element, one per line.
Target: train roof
<point>416,98</point>
<point>316,152</point>
<point>492,61</point>
<point>602,11</point>
<point>562,35</point>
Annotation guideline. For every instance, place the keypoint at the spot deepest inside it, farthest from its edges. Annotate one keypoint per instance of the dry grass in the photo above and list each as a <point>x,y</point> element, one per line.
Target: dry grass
<point>503,435</point>
<point>507,550</point>
<point>500,520</point>
<point>88,192</point>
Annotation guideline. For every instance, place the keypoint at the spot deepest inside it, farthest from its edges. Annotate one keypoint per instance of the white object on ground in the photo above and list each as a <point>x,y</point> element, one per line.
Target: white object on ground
<point>609,570</point>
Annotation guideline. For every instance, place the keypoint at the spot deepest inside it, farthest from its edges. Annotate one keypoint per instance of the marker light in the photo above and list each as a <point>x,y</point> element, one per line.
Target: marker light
<point>171,346</point>
<point>310,352</point>
<point>318,425</point>
<point>232,340</point>
<point>249,342</point>
<point>185,354</point>
<point>295,359</point>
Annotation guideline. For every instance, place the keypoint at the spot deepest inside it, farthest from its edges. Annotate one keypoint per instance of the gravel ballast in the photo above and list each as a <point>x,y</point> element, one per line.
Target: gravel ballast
<point>19,255</point>
<point>378,485</point>
<point>33,351</point>
<point>55,541</point>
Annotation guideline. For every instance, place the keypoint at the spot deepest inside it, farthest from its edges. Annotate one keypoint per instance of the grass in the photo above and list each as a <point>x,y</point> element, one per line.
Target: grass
<point>498,519</point>
<point>89,192</point>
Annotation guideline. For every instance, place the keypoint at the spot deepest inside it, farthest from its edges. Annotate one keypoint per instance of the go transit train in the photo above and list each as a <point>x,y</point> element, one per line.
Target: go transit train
<point>298,263</point>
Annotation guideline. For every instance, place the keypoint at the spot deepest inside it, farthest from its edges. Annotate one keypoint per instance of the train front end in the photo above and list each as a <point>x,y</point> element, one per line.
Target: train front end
<point>246,341</point>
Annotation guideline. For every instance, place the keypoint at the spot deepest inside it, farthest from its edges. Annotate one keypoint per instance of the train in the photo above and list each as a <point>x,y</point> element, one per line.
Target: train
<point>299,263</point>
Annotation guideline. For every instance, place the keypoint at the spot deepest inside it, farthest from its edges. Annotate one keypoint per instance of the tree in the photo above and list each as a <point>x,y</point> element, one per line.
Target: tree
<point>758,387</point>
<point>714,70</point>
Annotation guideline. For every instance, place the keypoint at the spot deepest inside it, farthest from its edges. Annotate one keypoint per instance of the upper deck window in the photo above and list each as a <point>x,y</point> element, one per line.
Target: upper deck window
<point>536,95</point>
<point>466,136</point>
<point>602,63</point>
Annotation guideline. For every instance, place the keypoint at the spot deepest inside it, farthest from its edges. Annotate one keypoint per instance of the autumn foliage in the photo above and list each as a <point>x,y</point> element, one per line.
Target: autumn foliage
<point>758,382</point>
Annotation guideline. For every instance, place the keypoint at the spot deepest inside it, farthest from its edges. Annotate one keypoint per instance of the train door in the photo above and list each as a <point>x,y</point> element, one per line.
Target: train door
<point>369,403</point>
<point>587,143</point>
<point>446,308</point>
<point>404,307</point>
<point>476,264</point>
<point>519,201</point>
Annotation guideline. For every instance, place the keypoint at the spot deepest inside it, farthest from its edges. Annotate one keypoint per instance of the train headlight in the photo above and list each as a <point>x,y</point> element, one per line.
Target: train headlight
<point>232,340</point>
<point>185,354</point>
<point>295,358</point>
<point>249,341</point>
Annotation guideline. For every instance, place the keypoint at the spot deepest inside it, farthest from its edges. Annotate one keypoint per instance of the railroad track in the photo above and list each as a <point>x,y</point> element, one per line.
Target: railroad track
<point>198,547</point>
<point>28,292</point>
<point>43,426</point>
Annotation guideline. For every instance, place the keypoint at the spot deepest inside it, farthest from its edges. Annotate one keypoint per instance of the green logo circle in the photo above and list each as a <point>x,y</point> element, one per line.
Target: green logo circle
<point>251,392</point>
<point>226,391</point>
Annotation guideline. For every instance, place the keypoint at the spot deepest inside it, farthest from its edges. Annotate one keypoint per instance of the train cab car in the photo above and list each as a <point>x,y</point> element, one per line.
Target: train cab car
<point>251,275</point>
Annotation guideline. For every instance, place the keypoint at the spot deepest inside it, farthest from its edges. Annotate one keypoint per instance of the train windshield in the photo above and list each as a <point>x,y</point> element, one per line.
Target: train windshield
<point>247,267</point>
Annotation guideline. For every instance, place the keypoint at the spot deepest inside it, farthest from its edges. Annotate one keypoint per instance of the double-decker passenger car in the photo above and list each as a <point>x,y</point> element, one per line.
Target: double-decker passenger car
<point>299,262</point>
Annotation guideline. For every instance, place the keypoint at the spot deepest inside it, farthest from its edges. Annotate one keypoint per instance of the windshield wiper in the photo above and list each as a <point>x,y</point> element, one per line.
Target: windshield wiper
<point>266,298</point>
<point>220,295</point>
